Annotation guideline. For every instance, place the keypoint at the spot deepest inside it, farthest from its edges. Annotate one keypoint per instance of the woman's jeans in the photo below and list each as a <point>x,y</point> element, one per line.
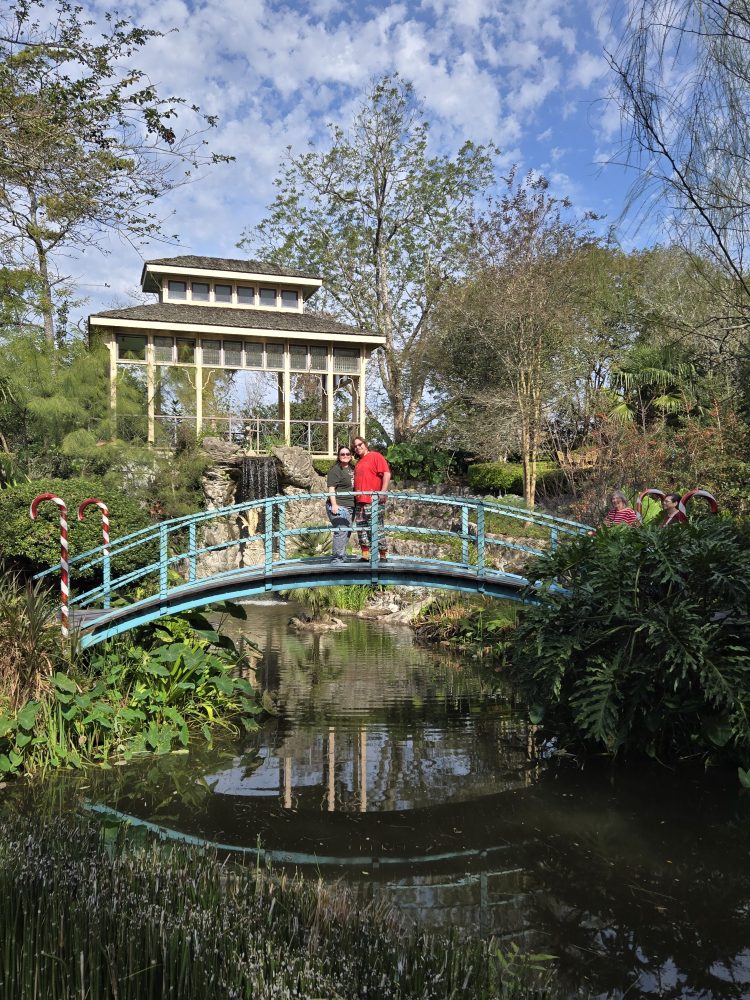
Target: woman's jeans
<point>342,524</point>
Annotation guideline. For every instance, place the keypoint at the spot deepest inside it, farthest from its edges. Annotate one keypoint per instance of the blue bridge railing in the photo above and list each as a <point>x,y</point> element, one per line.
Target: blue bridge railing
<point>268,538</point>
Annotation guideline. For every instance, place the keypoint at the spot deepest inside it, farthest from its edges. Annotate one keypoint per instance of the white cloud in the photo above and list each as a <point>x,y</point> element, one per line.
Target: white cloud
<point>276,73</point>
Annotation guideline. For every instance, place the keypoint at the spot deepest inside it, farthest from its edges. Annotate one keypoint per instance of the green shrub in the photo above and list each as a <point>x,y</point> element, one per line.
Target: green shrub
<point>646,650</point>
<point>30,546</point>
<point>507,477</point>
<point>424,463</point>
<point>145,693</point>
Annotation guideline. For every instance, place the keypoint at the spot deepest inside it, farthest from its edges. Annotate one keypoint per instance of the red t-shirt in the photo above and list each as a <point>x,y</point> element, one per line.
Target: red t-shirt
<point>368,474</point>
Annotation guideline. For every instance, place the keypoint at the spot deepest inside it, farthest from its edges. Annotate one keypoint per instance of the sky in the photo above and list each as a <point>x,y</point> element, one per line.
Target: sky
<point>532,78</point>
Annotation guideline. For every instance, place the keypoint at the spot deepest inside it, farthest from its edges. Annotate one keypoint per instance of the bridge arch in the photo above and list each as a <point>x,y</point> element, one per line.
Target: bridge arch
<point>468,536</point>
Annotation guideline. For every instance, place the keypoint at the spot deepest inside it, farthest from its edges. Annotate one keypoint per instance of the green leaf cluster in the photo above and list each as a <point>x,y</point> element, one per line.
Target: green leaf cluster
<point>32,546</point>
<point>424,463</point>
<point>507,477</point>
<point>645,650</point>
<point>147,696</point>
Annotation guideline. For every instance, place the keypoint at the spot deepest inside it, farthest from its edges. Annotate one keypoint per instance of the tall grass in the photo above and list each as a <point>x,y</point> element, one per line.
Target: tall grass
<point>31,647</point>
<point>79,918</point>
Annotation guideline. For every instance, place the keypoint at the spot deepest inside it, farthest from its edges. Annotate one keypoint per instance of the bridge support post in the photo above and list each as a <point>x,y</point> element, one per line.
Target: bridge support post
<point>163,561</point>
<point>268,541</point>
<point>192,561</point>
<point>375,532</point>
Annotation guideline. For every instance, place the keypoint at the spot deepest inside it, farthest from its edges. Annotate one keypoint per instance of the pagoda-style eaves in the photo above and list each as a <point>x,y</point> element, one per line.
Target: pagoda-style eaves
<point>295,325</point>
<point>156,273</point>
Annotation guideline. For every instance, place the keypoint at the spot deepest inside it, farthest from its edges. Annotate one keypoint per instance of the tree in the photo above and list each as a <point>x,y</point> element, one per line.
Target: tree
<point>87,144</point>
<point>506,331</point>
<point>387,225</point>
<point>683,84</point>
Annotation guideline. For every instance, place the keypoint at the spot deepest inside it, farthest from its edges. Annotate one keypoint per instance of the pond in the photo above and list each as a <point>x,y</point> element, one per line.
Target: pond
<point>409,776</point>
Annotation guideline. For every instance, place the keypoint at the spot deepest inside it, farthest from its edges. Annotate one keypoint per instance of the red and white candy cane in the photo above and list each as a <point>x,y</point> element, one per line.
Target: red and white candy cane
<point>704,494</point>
<point>92,501</point>
<point>646,493</point>
<point>64,584</point>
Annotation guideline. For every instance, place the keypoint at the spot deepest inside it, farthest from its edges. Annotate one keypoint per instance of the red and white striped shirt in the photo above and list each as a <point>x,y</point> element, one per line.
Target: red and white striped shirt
<point>624,516</point>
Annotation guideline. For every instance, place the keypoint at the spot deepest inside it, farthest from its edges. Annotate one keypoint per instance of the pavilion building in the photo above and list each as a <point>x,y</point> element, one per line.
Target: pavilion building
<point>221,326</point>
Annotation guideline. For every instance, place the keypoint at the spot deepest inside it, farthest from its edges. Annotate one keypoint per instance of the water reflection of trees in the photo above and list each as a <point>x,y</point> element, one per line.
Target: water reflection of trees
<point>666,917</point>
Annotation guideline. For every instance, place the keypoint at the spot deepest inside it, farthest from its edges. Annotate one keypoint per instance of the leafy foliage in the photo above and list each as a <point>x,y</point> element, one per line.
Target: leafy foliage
<point>88,143</point>
<point>425,463</point>
<point>145,696</point>
<point>646,649</point>
<point>387,223</point>
<point>507,477</point>
<point>31,546</point>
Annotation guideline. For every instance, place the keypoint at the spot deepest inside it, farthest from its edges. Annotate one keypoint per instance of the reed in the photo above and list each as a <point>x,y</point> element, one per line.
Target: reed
<point>79,918</point>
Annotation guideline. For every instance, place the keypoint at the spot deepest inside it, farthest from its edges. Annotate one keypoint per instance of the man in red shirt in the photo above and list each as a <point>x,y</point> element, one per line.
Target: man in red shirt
<point>371,473</point>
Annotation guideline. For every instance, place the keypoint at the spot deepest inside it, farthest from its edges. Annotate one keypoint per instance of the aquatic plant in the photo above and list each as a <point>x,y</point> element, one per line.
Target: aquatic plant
<point>147,693</point>
<point>80,917</point>
<point>646,648</point>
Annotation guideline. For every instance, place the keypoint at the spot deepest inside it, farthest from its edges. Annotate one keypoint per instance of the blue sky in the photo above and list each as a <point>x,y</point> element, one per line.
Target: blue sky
<point>530,77</point>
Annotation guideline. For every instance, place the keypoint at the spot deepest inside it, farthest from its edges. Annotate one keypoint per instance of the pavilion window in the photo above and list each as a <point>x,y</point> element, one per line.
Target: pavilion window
<point>177,290</point>
<point>233,353</point>
<point>211,352</point>
<point>298,358</point>
<point>185,351</point>
<point>274,355</point>
<point>318,358</point>
<point>289,299</point>
<point>253,354</point>
<point>345,359</point>
<point>245,295</point>
<point>131,347</point>
<point>201,291</point>
<point>222,293</point>
<point>163,349</point>
<point>268,297</point>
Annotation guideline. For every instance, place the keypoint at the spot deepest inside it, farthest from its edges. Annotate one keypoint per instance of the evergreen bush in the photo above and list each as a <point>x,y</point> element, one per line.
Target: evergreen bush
<point>645,650</point>
<point>500,478</point>
<point>31,546</point>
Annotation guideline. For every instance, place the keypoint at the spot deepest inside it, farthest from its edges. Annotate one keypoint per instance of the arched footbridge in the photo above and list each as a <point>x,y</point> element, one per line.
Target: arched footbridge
<point>282,543</point>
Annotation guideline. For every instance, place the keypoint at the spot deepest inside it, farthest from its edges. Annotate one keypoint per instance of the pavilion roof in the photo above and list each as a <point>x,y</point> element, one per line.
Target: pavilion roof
<point>188,315</point>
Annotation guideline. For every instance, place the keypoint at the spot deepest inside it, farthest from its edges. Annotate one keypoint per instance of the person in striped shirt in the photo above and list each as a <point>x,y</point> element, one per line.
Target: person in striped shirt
<point>620,511</point>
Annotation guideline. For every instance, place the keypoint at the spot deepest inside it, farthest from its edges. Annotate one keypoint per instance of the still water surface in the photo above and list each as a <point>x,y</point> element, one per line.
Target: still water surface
<point>405,774</point>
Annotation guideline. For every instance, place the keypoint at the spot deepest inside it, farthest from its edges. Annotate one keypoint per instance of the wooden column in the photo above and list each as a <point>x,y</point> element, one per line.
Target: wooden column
<point>198,385</point>
<point>150,387</point>
<point>362,391</point>
<point>287,384</point>
<point>329,398</point>
<point>112,346</point>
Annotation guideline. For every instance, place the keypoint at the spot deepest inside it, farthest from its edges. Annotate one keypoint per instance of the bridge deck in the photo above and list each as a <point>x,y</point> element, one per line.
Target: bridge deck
<point>292,575</point>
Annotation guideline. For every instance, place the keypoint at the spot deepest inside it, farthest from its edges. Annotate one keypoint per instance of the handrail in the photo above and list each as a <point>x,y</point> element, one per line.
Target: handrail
<point>179,543</point>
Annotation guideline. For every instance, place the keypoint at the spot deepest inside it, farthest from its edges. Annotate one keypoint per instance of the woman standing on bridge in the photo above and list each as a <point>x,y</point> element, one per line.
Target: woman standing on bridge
<point>340,511</point>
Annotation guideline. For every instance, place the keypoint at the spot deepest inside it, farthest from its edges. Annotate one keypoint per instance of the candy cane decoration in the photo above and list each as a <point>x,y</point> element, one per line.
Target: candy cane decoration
<point>105,518</point>
<point>92,501</point>
<point>64,587</point>
<point>651,492</point>
<point>699,493</point>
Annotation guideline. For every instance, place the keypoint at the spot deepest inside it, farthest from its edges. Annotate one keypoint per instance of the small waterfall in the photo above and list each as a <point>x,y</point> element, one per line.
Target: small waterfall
<point>258,479</point>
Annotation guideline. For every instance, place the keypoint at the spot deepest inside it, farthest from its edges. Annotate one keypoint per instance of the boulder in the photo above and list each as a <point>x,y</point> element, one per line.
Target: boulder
<point>294,467</point>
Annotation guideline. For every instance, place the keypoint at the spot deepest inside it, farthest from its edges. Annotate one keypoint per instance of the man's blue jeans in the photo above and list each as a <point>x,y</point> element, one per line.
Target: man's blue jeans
<point>342,525</point>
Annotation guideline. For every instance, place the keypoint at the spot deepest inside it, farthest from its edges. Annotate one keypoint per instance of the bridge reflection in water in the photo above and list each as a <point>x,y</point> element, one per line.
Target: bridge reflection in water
<point>406,775</point>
